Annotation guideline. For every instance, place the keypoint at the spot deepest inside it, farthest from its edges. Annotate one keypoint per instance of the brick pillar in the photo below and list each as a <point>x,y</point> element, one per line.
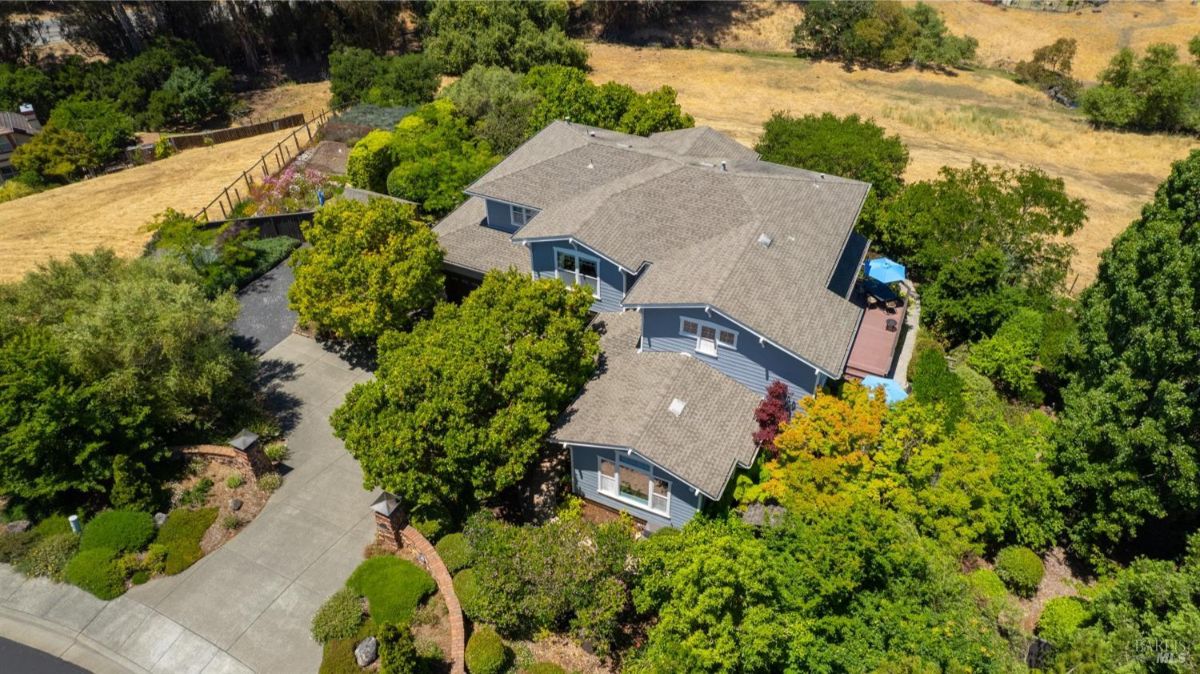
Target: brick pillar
<point>390,521</point>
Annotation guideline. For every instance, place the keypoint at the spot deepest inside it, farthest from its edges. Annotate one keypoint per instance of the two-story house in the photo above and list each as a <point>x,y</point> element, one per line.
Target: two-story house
<point>714,273</point>
<point>16,128</point>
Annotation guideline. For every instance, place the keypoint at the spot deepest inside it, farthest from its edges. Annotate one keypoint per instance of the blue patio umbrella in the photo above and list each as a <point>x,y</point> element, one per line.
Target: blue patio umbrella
<point>885,270</point>
<point>892,390</point>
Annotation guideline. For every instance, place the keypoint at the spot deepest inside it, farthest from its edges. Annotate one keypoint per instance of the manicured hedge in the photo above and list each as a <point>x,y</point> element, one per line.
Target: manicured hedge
<point>455,552</point>
<point>469,592</point>
<point>543,668</point>
<point>486,653</point>
<point>1021,570</point>
<point>1060,618</point>
<point>181,534</point>
<point>339,617</point>
<point>370,161</point>
<point>96,571</point>
<point>393,588</point>
<point>119,531</point>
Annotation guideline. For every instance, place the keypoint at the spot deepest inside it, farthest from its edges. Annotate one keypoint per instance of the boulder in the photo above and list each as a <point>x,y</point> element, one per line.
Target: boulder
<point>160,519</point>
<point>366,651</point>
<point>235,504</point>
<point>17,526</point>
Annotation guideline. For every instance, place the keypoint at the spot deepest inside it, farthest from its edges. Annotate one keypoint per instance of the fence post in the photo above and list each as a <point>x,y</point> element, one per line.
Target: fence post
<point>295,137</point>
<point>224,215</point>
<point>249,184</point>
<point>237,194</point>
<point>309,131</point>
<point>228,199</point>
<point>205,212</point>
<point>266,172</point>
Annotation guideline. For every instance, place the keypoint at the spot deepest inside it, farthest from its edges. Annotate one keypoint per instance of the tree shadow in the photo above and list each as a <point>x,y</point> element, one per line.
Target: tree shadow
<point>269,381</point>
<point>673,24</point>
<point>360,355</point>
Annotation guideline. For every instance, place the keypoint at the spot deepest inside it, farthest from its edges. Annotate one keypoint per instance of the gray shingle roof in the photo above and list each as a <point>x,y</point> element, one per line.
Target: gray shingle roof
<point>626,405</point>
<point>473,247</point>
<point>692,204</point>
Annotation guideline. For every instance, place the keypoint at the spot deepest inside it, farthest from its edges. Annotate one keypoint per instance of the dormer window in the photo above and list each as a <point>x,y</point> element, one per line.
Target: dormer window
<point>520,215</point>
<point>574,268</point>
<point>709,336</point>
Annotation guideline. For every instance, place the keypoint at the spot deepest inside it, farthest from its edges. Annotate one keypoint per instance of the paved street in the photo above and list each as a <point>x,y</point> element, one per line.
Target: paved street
<point>247,607</point>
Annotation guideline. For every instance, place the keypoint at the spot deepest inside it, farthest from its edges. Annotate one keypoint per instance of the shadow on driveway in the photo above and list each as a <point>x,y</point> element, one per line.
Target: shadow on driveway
<point>265,319</point>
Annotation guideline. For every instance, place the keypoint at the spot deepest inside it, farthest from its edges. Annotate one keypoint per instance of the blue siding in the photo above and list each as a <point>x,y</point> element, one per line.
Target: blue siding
<point>499,216</point>
<point>753,364</point>
<point>585,469</point>
<point>612,280</point>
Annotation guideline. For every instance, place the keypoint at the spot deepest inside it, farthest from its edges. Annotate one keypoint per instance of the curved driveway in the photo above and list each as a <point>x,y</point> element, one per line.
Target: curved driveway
<point>246,607</point>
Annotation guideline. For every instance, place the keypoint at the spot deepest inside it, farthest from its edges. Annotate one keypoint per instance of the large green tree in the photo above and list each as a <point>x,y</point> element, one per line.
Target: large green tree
<point>566,93</point>
<point>882,34</point>
<point>516,35</point>
<point>370,267</point>
<point>1154,93</point>
<point>1130,444</point>
<point>462,403</point>
<point>854,590</point>
<point>435,156</point>
<point>849,147</point>
<point>984,240</point>
<point>101,358</point>
<point>359,76</point>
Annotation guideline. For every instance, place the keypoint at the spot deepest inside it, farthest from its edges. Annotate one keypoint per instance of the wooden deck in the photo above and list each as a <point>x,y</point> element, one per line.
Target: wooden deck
<point>874,349</point>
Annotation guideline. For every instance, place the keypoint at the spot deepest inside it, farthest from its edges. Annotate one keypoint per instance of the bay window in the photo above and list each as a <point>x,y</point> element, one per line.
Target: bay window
<point>633,481</point>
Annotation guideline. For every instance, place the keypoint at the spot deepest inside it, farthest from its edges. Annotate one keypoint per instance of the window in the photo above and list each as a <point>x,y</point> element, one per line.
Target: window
<point>708,335</point>
<point>521,215</point>
<point>633,482</point>
<point>5,145</point>
<point>577,269</point>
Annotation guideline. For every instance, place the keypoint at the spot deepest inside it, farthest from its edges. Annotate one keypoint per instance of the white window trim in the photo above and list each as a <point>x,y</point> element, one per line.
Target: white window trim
<point>578,256</point>
<point>526,214</point>
<point>700,341</point>
<point>615,494</point>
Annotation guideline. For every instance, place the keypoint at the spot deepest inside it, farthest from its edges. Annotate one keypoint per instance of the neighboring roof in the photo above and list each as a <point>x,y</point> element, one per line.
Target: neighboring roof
<point>693,205</point>
<point>15,121</point>
<point>626,405</point>
<point>472,246</point>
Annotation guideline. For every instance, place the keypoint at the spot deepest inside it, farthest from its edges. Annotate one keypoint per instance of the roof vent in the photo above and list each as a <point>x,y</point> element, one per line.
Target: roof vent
<point>723,166</point>
<point>592,133</point>
<point>591,165</point>
<point>764,240</point>
<point>676,406</point>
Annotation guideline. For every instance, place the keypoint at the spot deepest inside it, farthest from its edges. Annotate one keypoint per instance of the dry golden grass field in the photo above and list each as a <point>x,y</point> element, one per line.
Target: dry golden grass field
<point>112,210</point>
<point>310,99</point>
<point>945,121</point>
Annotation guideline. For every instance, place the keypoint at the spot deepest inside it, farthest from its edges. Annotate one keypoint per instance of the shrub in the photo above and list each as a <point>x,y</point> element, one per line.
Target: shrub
<point>486,653</point>
<point>96,570</point>
<point>276,451</point>
<point>454,551</point>
<point>1009,358</point>
<point>230,522</point>
<point>15,189</point>
<point>1059,620</point>
<point>397,651</point>
<point>130,563</point>
<point>119,531</point>
<point>338,654</point>
<point>155,560</point>
<point>14,546</point>
<point>49,556</point>
<point>543,668</point>
<point>55,524</point>
<point>234,481</point>
<point>198,494</point>
<point>339,617</point>
<point>934,382</point>
<point>469,592</point>
<point>181,535</point>
<point>1021,570</point>
<point>270,482</point>
<point>370,161</point>
<point>140,578</point>
<point>393,587</point>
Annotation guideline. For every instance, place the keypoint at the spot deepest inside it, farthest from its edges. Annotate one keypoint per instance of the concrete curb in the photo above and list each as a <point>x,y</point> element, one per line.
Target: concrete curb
<point>63,643</point>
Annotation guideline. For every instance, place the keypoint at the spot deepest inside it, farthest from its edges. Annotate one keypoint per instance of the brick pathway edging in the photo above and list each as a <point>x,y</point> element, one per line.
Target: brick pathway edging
<point>433,563</point>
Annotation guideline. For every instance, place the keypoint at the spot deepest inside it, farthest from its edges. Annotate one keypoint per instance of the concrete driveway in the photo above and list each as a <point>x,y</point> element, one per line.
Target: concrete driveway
<point>248,606</point>
<point>264,319</point>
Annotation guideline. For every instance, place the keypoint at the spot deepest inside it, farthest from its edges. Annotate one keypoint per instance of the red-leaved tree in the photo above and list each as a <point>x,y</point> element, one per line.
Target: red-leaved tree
<point>770,413</point>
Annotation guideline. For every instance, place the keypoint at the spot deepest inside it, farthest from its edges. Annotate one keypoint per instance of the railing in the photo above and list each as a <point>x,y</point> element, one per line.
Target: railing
<point>282,154</point>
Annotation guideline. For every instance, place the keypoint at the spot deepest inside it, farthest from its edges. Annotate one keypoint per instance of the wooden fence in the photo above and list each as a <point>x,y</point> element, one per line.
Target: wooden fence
<point>187,141</point>
<point>280,156</point>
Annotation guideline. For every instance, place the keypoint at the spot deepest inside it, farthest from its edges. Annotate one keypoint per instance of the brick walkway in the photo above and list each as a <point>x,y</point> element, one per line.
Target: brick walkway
<point>441,575</point>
